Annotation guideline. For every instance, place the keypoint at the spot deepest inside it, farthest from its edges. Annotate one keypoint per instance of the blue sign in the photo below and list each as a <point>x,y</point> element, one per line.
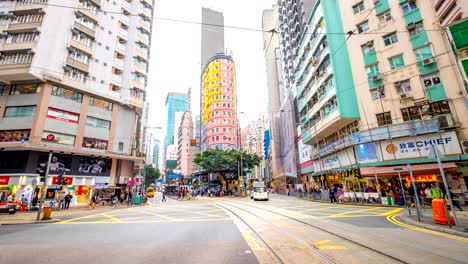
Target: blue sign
<point>173,176</point>
<point>159,180</point>
<point>266,144</point>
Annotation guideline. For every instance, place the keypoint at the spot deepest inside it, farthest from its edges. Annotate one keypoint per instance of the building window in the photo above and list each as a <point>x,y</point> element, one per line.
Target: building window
<point>20,111</point>
<point>121,146</point>
<point>17,89</point>
<point>378,93</point>
<point>98,123</point>
<point>403,87</point>
<point>410,113</point>
<point>423,53</point>
<point>431,79</point>
<point>396,62</point>
<point>368,47</point>
<point>359,7</point>
<point>409,6</point>
<point>67,94</point>
<point>384,119</point>
<point>373,70</point>
<point>385,17</point>
<point>364,26</point>
<point>3,89</point>
<point>416,29</point>
<point>390,39</point>
<point>100,103</point>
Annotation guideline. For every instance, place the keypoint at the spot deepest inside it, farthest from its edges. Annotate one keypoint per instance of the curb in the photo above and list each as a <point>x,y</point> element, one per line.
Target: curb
<point>33,222</point>
<point>353,204</point>
<point>457,231</point>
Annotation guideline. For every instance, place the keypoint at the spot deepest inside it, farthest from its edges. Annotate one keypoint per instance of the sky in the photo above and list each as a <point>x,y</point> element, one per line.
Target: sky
<point>175,55</point>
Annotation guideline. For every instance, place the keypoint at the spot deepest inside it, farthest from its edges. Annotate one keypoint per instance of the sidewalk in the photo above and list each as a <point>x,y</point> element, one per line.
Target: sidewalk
<point>427,221</point>
<point>21,218</point>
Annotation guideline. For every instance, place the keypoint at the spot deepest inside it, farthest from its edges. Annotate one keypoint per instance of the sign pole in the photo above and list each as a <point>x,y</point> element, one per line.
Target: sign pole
<point>418,209</point>
<point>403,189</point>
<point>446,185</point>
<point>44,186</point>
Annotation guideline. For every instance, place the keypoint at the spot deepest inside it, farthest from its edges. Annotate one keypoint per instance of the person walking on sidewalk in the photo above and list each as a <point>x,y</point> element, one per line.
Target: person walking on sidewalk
<point>163,197</point>
<point>436,192</point>
<point>68,199</point>
<point>93,201</point>
<point>331,192</point>
<point>456,203</point>
<point>130,199</point>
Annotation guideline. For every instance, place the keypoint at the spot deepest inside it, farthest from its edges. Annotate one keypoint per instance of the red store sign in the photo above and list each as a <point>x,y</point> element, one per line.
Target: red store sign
<point>69,180</point>
<point>4,180</point>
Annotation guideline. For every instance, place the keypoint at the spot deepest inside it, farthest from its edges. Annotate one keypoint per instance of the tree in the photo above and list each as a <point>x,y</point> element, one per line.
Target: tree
<point>226,161</point>
<point>152,174</point>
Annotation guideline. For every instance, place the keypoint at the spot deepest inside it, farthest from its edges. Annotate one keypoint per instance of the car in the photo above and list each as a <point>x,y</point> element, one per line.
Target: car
<point>259,191</point>
<point>9,208</point>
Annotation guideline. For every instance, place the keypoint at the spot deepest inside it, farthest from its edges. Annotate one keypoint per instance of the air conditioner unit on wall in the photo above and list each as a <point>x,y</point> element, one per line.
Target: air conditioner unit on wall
<point>445,121</point>
<point>428,61</point>
<point>464,145</point>
<point>405,96</point>
<point>377,77</point>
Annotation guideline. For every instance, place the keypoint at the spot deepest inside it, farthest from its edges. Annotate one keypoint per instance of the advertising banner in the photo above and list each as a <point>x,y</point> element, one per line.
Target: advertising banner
<point>15,135</point>
<point>66,116</point>
<point>94,143</point>
<point>338,160</point>
<point>420,146</point>
<point>4,180</point>
<point>58,138</point>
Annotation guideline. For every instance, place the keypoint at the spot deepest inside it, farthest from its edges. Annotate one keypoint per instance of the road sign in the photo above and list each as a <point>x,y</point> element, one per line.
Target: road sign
<point>398,169</point>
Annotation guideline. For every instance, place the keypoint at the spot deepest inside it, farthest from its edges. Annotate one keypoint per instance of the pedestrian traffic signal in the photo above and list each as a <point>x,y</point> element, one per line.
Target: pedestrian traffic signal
<point>41,170</point>
<point>358,173</point>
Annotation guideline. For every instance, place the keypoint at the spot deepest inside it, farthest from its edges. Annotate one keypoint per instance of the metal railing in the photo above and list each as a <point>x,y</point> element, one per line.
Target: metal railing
<point>17,58</point>
<point>28,2</point>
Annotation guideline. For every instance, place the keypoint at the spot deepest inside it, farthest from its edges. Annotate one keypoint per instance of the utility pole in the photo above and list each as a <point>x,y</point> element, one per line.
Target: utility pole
<point>44,186</point>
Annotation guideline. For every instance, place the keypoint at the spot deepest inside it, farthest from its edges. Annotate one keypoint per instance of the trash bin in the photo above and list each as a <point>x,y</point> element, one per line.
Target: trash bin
<point>46,213</point>
<point>438,211</point>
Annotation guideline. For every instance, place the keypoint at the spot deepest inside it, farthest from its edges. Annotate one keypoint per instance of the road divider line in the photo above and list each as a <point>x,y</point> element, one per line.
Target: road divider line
<point>394,211</point>
<point>392,219</point>
<point>155,214</point>
<point>112,218</point>
<point>352,212</point>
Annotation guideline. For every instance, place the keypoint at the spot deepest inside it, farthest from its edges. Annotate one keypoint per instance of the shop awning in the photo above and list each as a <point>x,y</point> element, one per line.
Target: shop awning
<point>416,168</point>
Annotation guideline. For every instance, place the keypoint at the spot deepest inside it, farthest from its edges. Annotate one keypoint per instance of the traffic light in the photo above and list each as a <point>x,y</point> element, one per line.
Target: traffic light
<point>358,173</point>
<point>41,170</point>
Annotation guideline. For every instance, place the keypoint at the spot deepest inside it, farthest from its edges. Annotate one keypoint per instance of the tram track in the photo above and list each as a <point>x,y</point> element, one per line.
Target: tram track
<point>367,247</point>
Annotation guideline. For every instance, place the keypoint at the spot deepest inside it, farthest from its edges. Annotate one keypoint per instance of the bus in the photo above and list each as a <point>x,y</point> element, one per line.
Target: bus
<point>260,191</point>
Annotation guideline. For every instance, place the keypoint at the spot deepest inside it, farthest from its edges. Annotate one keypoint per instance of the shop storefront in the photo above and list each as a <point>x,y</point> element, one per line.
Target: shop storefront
<point>335,170</point>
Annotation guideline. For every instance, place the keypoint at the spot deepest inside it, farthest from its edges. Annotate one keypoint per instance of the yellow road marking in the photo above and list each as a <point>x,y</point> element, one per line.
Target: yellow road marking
<point>352,212</point>
<point>392,219</point>
<point>154,214</point>
<point>396,210</point>
<point>321,245</point>
<point>112,218</point>
<point>142,222</point>
<point>93,215</point>
<point>321,208</point>
<point>194,212</point>
<point>251,241</point>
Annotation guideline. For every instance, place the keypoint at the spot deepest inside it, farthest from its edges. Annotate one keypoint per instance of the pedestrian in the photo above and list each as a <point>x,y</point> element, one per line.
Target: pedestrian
<point>93,201</point>
<point>68,199</point>
<point>62,201</point>
<point>436,192</point>
<point>287,190</point>
<point>163,197</point>
<point>455,203</point>
<point>130,199</point>
<point>331,193</point>
<point>10,198</point>
<point>24,201</point>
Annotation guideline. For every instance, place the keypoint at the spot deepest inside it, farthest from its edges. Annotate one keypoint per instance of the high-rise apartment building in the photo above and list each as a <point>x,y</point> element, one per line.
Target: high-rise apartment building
<point>252,141</point>
<point>398,100</point>
<point>184,150</point>
<point>219,104</point>
<point>156,146</point>
<point>175,102</point>
<point>212,35</point>
<point>70,76</point>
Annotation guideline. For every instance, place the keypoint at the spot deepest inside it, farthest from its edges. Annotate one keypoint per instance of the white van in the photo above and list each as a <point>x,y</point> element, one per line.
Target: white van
<point>260,191</point>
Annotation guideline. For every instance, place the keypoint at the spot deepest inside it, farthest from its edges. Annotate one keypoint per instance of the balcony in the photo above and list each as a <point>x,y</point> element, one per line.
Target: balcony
<point>138,85</point>
<point>370,58</point>
<point>24,26</point>
<point>80,46</point>
<point>141,53</point>
<point>78,65</point>
<point>435,93</point>
<point>23,5</point>
<point>381,6</point>
<point>117,79</point>
<point>88,31</point>
<point>140,68</point>
<point>145,25</point>
<point>122,48</point>
<point>89,14</point>
<point>119,63</point>
<point>143,38</point>
<point>17,46</point>
<point>149,2</point>
<point>146,12</point>
<point>136,101</point>
<point>412,17</point>
<point>419,40</point>
<point>96,2</point>
<point>427,65</point>
<point>16,58</point>
<point>123,32</point>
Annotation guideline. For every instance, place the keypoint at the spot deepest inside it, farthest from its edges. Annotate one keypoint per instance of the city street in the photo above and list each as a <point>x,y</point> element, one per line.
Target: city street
<point>230,230</point>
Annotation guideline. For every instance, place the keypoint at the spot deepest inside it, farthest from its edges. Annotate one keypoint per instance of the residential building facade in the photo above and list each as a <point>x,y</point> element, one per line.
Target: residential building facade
<point>219,126</point>
<point>68,77</point>
<point>184,151</point>
<point>253,136</point>
<point>398,101</point>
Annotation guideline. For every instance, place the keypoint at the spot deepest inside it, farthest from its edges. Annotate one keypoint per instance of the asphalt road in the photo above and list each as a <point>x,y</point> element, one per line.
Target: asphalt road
<point>230,230</point>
